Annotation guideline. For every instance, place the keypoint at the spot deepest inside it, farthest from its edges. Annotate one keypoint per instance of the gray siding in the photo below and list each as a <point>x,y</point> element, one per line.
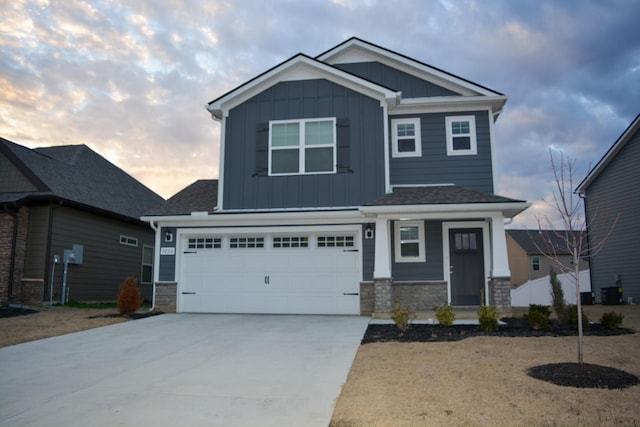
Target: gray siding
<point>411,87</point>
<point>36,259</point>
<point>435,166</point>
<point>167,268</point>
<point>616,191</point>
<point>107,263</point>
<point>431,269</point>
<point>362,183</point>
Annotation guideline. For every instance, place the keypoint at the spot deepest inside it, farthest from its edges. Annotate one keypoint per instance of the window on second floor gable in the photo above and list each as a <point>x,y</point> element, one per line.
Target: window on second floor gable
<point>461,135</point>
<point>302,146</point>
<point>405,138</point>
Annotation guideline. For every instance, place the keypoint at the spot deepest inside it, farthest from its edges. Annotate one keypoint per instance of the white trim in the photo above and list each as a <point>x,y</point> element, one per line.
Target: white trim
<point>382,255</point>
<point>387,166</point>
<point>493,151</point>
<point>417,151</point>
<point>473,141</point>
<point>487,250</point>
<point>449,104</point>
<point>397,242</point>
<point>361,51</point>
<point>299,65</point>
<point>509,210</point>
<point>302,145</point>
<point>221,165</point>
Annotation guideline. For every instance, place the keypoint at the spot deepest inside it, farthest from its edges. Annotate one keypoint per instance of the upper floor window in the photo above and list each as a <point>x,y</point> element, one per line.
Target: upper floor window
<point>535,263</point>
<point>409,241</point>
<point>405,137</point>
<point>461,135</point>
<point>302,146</point>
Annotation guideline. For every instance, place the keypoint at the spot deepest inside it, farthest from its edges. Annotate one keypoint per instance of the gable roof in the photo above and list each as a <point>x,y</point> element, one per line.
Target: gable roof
<point>201,196</point>
<point>538,242</point>
<point>302,67</point>
<point>77,174</point>
<point>626,136</point>
<point>358,50</point>
<point>298,67</point>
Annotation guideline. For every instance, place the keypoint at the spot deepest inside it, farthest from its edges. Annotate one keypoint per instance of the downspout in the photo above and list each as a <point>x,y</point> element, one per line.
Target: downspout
<point>154,227</point>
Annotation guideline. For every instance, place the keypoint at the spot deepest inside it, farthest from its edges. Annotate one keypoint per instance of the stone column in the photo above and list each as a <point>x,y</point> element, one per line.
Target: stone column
<point>166,296</point>
<point>382,295</point>
<point>500,293</point>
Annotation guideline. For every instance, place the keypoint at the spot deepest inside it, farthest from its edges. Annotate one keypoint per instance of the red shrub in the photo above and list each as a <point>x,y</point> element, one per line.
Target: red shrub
<point>129,299</point>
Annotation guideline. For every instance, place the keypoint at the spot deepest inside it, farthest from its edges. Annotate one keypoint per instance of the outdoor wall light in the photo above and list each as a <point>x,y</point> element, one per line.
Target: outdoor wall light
<point>368,232</point>
<point>168,236</point>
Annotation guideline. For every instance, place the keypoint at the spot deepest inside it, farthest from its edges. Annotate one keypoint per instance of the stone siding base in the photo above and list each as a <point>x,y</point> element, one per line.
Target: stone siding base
<point>166,295</point>
<point>422,296</point>
<point>500,293</point>
<point>366,298</point>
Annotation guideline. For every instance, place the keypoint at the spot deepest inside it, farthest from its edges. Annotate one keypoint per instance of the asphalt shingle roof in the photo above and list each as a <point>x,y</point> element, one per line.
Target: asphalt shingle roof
<point>541,241</point>
<point>78,174</point>
<point>437,195</point>
<point>201,196</point>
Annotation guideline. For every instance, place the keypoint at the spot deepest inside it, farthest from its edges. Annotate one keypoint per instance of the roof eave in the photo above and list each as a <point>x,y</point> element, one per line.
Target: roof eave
<point>508,209</point>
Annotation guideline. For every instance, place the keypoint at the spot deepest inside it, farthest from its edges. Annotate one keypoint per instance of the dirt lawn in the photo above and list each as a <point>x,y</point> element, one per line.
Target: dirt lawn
<point>478,381</point>
<point>482,382</point>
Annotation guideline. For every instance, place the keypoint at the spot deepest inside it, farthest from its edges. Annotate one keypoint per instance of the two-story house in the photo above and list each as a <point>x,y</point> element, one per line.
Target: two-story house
<point>347,181</point>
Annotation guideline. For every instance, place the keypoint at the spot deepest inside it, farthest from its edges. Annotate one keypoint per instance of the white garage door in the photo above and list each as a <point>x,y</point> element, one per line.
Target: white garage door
<point>292,274</point>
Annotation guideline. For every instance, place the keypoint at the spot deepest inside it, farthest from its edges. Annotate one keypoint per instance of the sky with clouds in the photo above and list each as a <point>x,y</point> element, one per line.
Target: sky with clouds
<point>130,78</point>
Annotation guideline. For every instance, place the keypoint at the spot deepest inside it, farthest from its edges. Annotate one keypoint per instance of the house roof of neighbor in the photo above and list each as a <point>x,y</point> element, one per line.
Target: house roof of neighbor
<point>201,196</point>
<point>538,242</point>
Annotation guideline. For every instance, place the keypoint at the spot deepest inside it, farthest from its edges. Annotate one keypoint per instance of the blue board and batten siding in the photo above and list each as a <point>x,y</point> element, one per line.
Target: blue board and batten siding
<point>410,86</point>
<point>615,195</point>
<point>435,166</point>
<point>247,185</point>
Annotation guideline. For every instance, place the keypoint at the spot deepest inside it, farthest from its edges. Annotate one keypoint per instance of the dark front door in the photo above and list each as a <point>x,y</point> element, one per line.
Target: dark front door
<point>466,268</point>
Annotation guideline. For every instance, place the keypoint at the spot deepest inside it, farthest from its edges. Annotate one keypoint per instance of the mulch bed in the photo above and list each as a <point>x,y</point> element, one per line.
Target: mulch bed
<point>13,312</point>
<point>564,374</point>
<point>514,328</point>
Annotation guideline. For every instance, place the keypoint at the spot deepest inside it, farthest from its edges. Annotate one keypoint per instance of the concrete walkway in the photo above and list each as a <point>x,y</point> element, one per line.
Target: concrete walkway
<point>183,370</point>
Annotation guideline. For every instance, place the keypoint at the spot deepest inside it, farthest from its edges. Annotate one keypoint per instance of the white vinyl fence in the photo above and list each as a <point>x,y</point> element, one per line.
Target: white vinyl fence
<point>538,291</point>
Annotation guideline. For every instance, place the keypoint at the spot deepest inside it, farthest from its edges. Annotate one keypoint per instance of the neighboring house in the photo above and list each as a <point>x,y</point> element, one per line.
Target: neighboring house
<point>530,251</point>
<point>56,197</point>
<point>347,181</point>
<point>611,193</point>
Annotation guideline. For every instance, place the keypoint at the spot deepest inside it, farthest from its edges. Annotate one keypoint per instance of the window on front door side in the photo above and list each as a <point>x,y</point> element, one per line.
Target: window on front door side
<point>302,147</point>
<point>461,135</point>
<point>406,140</point>
<point>409,242</point>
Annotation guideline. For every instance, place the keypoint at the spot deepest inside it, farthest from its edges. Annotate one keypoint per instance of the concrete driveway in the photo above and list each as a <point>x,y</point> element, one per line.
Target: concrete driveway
<point>183,370</point>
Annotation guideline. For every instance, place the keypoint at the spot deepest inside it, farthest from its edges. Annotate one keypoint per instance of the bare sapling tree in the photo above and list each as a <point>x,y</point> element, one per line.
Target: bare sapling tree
<point>568,209</point>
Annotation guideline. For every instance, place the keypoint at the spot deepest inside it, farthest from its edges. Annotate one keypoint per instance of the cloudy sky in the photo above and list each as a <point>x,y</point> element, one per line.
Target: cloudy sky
<point>130,78</point>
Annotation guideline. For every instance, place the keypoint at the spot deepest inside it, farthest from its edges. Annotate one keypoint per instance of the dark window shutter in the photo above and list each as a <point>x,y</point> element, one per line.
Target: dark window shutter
<point>262,149</point>
<point>343,147</point>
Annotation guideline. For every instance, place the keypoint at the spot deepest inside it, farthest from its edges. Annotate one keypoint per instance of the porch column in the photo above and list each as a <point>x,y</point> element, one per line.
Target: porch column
<point>499,258</point>
<point>382,293</point>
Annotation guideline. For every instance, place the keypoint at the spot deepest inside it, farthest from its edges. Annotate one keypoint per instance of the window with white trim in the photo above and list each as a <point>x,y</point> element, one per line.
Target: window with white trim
<point>205,243</point>
<point>461,135</point>
<point>409,241</point>
<point>302,146</point>
<point>129,241</point>
<point>147,264</point>
<point>405,138</point>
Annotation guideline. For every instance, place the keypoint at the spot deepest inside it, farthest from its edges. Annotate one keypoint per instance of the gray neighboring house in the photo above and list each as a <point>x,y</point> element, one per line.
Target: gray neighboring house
<point>347,180</point>
<point>529,252</point>
<point>52,198</point>
<point>612,190</point>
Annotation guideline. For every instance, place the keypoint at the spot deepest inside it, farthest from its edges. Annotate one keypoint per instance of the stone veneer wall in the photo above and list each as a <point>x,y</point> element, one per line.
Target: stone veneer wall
<point>500,293</point>
<point>422,296</point>
<point>166,297</point>
<point>366,298</point>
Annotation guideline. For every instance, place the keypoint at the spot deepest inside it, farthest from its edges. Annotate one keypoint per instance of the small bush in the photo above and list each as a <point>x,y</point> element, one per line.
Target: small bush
<point>544,309</point>
<point>572,317</point>
<point>611,320</point>
<point>488,318</point>
<point>129,299</point>
<point>445,315</point>
<point>538,320</point>
<point>402,316</point>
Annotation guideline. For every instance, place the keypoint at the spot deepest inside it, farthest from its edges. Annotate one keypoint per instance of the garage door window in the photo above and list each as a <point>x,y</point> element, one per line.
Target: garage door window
<point>205,243</point>
<point>246,242</point>
<point>291,242</point>
<point>335,241</point>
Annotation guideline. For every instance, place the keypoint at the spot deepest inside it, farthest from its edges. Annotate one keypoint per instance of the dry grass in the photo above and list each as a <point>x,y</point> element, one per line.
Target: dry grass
<point>482,381</point>
<point>52,322</point>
